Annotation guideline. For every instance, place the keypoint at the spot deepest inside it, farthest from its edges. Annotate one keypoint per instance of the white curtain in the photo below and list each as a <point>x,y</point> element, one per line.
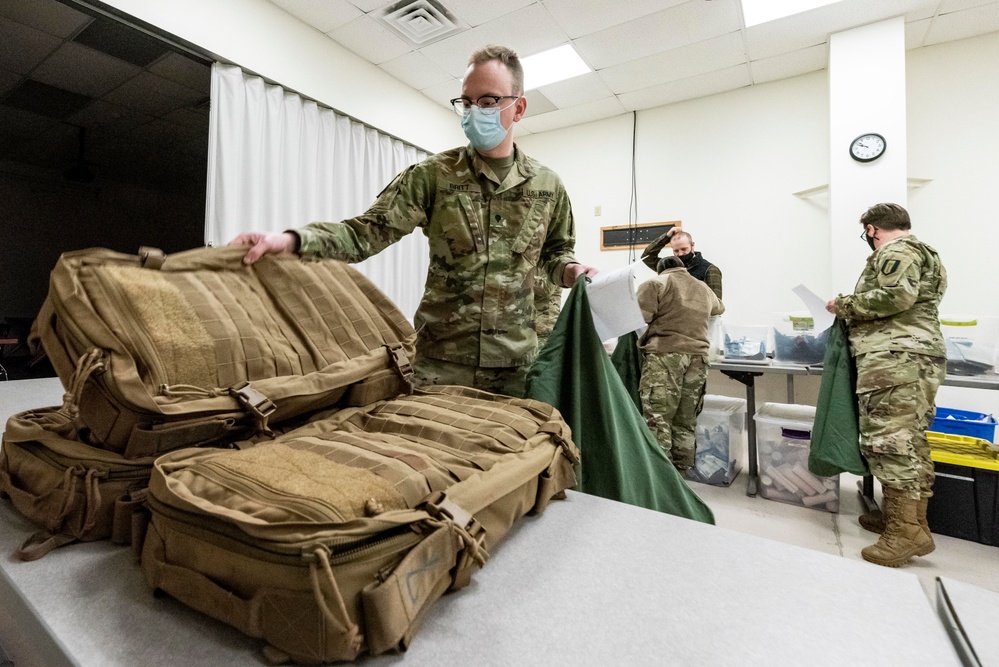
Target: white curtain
<point>277,161</point>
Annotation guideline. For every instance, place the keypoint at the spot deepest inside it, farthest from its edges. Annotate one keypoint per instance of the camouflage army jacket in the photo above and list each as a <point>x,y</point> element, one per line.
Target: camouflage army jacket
<point>895,303</point>
<point>487,241</point>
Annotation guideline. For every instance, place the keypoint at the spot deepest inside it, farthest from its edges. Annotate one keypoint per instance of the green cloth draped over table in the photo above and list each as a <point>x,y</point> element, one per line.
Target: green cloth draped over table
<point>621,459</point>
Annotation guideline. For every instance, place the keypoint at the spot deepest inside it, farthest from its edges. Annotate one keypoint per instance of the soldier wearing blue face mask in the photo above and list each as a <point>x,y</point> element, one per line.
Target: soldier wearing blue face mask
<point>498,222</point>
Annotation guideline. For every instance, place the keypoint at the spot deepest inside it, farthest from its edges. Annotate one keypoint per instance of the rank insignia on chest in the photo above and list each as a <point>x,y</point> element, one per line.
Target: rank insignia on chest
<point>889,266</point>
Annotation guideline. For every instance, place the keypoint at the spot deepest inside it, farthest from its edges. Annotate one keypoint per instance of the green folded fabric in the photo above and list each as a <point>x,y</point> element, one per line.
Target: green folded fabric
<point>621,459</point>
<point>835,445</point>
<point>627,359</point>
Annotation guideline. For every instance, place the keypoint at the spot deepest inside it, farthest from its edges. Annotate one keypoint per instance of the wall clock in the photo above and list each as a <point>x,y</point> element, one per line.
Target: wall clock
<point>868,147</point>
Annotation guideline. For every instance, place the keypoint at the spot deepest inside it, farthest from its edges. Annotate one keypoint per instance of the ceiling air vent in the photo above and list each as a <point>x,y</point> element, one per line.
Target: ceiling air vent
<point>421,21</point>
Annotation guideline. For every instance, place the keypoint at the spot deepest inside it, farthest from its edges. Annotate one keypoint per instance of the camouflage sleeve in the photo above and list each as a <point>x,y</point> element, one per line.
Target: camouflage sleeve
<point>714,280</point>
<point>895,288</point>
<point>560,242</point>
<point>399,209</point>
<point>648,299</point>
<point>651,255</point>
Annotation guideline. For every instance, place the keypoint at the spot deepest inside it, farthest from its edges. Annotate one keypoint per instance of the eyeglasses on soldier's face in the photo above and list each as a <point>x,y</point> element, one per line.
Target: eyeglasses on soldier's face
<point>463,105</point>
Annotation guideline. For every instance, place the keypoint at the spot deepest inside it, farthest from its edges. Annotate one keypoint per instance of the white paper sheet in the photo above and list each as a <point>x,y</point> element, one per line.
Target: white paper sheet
<point>816,305</point>
<point>614,303</point>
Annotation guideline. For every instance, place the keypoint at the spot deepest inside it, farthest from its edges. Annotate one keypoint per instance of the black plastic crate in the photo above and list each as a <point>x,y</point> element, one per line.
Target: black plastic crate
<point>965,503</point>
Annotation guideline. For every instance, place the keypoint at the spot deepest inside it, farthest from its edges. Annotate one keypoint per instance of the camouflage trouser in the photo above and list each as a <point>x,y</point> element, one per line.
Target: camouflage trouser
<point>672,389</point>
<point>895,394</point>
<point>510,381</point>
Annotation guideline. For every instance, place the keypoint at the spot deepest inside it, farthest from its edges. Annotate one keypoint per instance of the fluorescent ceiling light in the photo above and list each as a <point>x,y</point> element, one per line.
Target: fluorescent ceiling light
<point>553,65</point>
<point>761,11</point>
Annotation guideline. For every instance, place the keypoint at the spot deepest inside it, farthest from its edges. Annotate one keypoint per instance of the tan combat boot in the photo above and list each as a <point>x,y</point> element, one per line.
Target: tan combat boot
<point>874,521</point>
<point>903,537</point>
<point>921,518</point>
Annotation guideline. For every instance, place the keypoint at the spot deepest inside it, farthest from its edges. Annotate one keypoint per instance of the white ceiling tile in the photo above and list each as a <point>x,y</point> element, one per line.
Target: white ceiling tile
<point>948,6</point>
<point>584,113</point>
<point>691,22</point>
<point>769,39</point>
<point>416,70</point>
<point>49,16</point>
<point>791,64</point>
<point>370,5</point>
<point>442,92</point>
<point>452,53</point>
<point>23,48</point>
<point>582,17</point>
<point>184,71</point>
<point>82,70</point>
<point>813,27</point>
<point>712,54</point>
<point>699,86</point>
<point>370,39</point>
<point>537,103</point>
<point>323,15</point>
<point>915,33</point>
<point>960,25</point>
<point>477,12</point>
<point>577,90</point>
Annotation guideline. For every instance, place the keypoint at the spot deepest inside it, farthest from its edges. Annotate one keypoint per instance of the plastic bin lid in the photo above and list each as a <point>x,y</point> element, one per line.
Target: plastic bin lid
<point>963,460</point>
<point>786,413</point>
<point>727,404</point>
<point>959,321</point>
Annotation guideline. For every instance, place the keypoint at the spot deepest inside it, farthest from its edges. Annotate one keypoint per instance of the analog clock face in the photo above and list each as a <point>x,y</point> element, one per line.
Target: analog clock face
<point>867,147</point>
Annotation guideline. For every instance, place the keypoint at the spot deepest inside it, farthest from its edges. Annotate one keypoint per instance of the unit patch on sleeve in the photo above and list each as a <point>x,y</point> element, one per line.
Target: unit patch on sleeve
<point>889,266</point>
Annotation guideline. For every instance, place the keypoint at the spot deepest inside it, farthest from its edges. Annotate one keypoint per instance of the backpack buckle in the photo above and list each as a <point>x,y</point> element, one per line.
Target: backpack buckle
<point>255,403</point>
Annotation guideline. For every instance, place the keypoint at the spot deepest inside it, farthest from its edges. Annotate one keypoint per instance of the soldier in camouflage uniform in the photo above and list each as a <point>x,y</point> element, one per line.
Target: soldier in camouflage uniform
<point>901,362</point>
<point>677,307</point>
<point>494,217</point>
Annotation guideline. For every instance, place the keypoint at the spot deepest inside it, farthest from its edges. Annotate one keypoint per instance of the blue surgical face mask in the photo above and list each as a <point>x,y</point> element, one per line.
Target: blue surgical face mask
<point>483,128</point>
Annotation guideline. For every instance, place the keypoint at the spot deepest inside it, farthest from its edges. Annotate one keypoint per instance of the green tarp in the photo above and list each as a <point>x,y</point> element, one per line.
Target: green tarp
<point>835,446</point>
<point>627,359</point>
<point>621,459</point>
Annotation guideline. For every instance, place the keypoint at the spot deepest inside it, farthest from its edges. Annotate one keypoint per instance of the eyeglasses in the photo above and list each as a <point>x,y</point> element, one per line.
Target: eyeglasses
<point>463,105</point>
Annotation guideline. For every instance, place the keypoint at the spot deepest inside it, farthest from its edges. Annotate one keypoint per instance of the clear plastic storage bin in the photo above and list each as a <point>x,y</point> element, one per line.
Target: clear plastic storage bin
<point>783,438</point>
<point>796,341</point>
<point>746,342</point>
<point>721,440</point>
<point>971,343</point>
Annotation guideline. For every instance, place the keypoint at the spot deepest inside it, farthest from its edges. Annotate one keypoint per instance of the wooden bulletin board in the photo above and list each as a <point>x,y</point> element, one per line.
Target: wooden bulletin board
<point>624,237</point>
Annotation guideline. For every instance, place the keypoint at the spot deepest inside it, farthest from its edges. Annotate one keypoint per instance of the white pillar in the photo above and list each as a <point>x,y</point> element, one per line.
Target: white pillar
<point>866,94</point>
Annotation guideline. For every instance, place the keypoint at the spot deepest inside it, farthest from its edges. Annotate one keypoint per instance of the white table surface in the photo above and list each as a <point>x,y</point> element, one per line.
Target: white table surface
<point>590,582</point>
<point>977,610</point>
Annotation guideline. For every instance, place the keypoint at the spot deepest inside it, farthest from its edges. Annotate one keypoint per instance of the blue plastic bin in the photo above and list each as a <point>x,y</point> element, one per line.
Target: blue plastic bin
<point>963,422</point>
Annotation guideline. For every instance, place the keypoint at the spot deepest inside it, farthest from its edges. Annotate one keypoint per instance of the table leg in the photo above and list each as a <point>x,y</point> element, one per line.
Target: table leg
<point>866,488</point>
<point>749,380</point>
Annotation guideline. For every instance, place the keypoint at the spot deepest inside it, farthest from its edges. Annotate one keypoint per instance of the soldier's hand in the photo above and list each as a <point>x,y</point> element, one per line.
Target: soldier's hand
<point>831,306</point>
<point>263,244</point>
<point>573,270</point>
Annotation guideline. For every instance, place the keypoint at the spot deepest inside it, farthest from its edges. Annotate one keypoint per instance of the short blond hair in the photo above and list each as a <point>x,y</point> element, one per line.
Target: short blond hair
<point>506,56</point>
